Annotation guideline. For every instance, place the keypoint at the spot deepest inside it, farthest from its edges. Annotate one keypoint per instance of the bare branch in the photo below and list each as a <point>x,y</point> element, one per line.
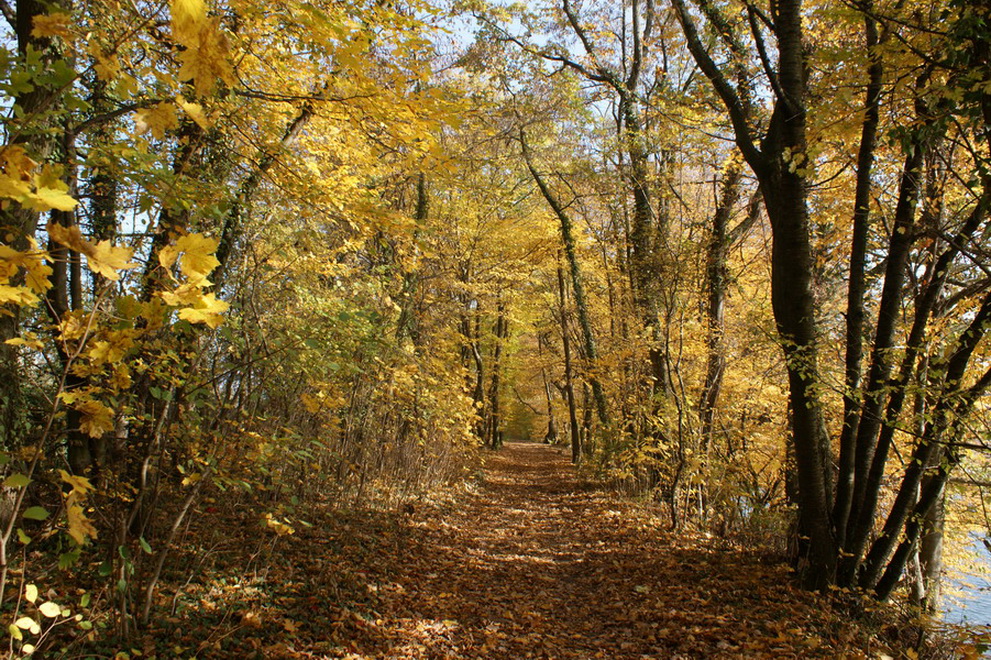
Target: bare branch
<point>9,13</point>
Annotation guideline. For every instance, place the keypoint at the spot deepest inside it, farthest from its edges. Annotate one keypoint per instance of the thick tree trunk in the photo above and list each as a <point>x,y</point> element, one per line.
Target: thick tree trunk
<point>792,299</point>
<point>31,127</point>
<point>857,283</point>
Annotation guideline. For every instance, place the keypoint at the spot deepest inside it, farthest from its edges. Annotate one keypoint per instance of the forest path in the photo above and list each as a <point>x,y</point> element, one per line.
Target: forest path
<point>529,563</point>
<point>534,563</point>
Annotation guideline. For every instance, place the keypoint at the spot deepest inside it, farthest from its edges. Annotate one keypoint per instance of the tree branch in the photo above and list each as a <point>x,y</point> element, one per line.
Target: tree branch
<point>737,110</point>
<point>9,13</point>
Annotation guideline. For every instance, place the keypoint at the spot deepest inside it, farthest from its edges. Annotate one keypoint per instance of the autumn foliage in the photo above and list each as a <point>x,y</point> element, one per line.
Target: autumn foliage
<point>262,259</point>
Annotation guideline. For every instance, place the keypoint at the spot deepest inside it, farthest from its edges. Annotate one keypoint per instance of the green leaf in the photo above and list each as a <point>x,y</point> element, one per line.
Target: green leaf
<point>122,585</point>
<point>144,545</point>
<point>17,481</point>
<point>84,601</point>
<point>36,513</point>
<point>22,537</point>
<point>69,559</point>
<point>106,568</point>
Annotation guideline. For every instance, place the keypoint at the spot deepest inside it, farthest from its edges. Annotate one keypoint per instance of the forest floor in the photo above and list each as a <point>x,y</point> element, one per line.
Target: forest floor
<point>530,562</point>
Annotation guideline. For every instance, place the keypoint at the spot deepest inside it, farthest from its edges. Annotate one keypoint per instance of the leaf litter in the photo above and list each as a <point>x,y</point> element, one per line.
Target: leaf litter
<point>530,562</point>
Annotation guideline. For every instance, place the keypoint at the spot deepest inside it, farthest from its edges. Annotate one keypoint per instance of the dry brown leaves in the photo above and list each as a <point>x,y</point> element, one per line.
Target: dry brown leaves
<point>531,563</point>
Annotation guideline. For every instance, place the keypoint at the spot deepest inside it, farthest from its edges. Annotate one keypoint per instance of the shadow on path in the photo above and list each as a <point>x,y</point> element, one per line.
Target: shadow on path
<point>535,564</point>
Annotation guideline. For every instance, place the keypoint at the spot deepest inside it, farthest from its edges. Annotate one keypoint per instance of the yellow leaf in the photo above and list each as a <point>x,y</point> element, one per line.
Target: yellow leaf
<point>158,119</point>
<point>106,259</point>
<point>16,163</point>
<point>97,418</point>
<point>70,237</point>
<point>79,484</point>
<point>102,257</point>
<point>187,16</point>
<point>46,199</point>
<point>312,404</point>
<point>191,479</point>
<point>208,61</point>
<point>38,273</point>
<point>107,67</point>
<point>73,326</point>
<point>29,339</point>
<point>197,260</point>
<point>206,310</point>
<point>187,294</point>
<point>50,609</point>
<point>204,59</point>
<point>52,25</point>
<point>13,188</point>
<point>80,527</point>
<point>25,623</point>
<point>279,527</point>
<point>19,295</point>
<point>194,111</point>
<point>30,593</point>
<point>43,191</point>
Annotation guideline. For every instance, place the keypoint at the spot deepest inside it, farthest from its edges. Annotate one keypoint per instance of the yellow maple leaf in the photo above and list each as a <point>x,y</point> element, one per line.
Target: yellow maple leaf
<point>207,310</point>
<point>208,61</point>
<point>16,163</point>
<point>45,197</point>
<point>107,67</point>
<point>19,295</point>
<point>52,25</point>
<point>97,418</point>
<point>187,294</point>
<point>70,237</point>
<point>278,526</point>
<point>73,326</point>
<point>158,119</point>
<point>13,187</point>
<point>197,260</point>
<point>80,485</point>
<point>187,17</point>
<point>37,191</point>
<point>80,527</point>
<point>107,260</point>
<point>38,275</point>
<point>102,257</point>
<point>194,111</point>
<point>205,55</point>
<point>29,339</point>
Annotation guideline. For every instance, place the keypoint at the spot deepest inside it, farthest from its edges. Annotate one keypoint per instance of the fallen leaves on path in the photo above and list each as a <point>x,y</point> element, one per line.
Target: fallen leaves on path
<point>530,563</point>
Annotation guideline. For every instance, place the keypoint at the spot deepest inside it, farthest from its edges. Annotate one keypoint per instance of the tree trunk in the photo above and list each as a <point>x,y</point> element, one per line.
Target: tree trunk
<point>716,280</point>
<point>577,285</point>
<point>569,385</point>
